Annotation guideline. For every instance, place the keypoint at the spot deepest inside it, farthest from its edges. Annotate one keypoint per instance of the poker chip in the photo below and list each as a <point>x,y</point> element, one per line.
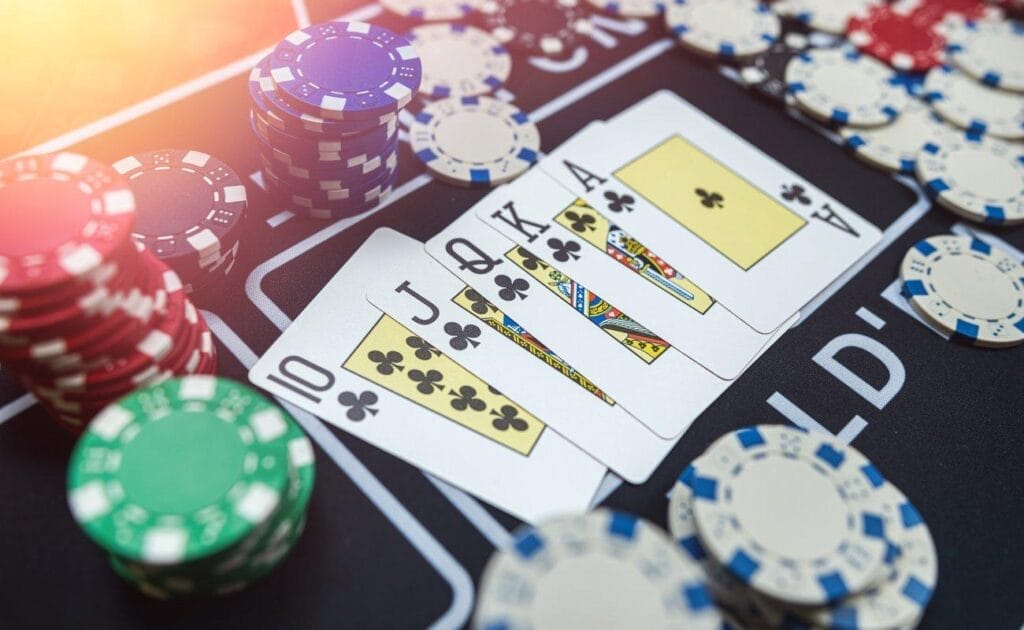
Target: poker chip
<point>895,146</point>
<point>474,141</point>
<point>991,52</point>
<point>829,16</point>
<point>280,113</point>
<point>978,178</point>
<point>723,28</point>
<point>795,516</point>
<point>631,8</point>
<point>459,60</point>
<point>208,519</point>
<point>942,12</point>
<point>327,132</point>
<point>727,591</point>
<point>841,86</point>
<point>88,312</point>
<point>363,193</point>
<point>429,10</point>
<point>765,73</point>
<point>310,167</point>
<point>897,39</point>
<point>969,289</point>
<point>911,574</point>
<point>970,105</point>
<point>64,214</point>
<point>596,570</point>
<point>325,148</point>
<point>380,76</point>
<point>189,207</point>
<point>536,27</point>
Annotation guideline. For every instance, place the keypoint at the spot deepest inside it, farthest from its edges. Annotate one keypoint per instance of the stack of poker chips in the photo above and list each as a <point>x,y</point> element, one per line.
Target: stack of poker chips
<point>86,313</point>
<point>325,107</point>
<point>189,211</point>
<point>195,486</point>
<point>797,530</point>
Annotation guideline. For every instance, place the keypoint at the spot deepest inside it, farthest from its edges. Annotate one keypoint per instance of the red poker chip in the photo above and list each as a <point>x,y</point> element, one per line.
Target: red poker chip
<point>933,12</point>
<point>69,349</point>
<point>153,346</point>
<point>897,39</point>
<point>82,313</point>
<point>64,215</point>
<point>12,305</point>
<point>193,353</point>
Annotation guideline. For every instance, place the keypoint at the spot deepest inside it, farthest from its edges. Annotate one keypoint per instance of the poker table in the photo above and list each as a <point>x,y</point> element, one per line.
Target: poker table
<point>387,545</point>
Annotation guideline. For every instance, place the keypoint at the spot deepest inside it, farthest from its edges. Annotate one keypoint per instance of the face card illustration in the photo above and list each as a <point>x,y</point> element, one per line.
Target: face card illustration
<point>360,370</point>
<point>657,384</point>
<point>747,229</point>
<point>431,302</point>
<point>540,215</point>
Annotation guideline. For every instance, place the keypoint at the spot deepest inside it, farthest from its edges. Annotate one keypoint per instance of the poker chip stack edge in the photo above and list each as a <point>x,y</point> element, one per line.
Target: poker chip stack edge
<point>86,314</point>
<point>206,520</point>
<point>325,105</point>
<point>794,529</point>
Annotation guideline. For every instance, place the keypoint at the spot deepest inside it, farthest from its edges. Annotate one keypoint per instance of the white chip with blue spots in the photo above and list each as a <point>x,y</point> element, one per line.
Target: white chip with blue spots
<point>796,516</point>
<point>991,52</point>
<point>966,287</point>
<point>979,178</point>
<point>911,573</point>
<point>726,589</point>
<point>730,29</point>
<point>970,105</point>
<point>459,60</point>
<point>602,570</point>
<point>895,146</point>
<point>474,141</point>
<point>843,87</point>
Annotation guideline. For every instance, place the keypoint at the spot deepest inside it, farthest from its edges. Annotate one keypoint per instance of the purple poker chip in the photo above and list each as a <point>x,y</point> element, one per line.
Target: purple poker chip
<point>322,153</point>
<point>346,70</point>
<point>280,112</point>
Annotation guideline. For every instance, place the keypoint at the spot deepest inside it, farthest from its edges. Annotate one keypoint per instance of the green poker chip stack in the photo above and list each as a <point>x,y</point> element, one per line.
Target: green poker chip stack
<point>196,486</point>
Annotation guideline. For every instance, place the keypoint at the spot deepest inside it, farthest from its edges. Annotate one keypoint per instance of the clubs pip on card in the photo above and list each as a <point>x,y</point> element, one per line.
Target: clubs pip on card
<point>743,227</point>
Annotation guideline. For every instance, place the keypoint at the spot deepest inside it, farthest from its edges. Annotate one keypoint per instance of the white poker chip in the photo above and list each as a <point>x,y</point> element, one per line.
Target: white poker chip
<point>991,52</point>
<point>459,60</point>
<point>602,570</point>
<point>474,140</point>
<point>830,16</point>
<point>981,179</point>
<point>911,573</point>
<point>842,86</point>
<point>966,287</point>
<point>796,516</point>
<point>730,29</point>
<point>631,8</point>
<point>971,105</point>
<point>895,146</point>
<point>430,9</point>
<point>728,591</point>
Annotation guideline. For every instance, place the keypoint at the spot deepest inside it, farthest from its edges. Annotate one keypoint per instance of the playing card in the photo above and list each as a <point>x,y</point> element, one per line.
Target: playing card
<point>360,370</point>
<point>657,384</point>
<point>538,213</point>
<point>435,305</point>
<point>745,228</point>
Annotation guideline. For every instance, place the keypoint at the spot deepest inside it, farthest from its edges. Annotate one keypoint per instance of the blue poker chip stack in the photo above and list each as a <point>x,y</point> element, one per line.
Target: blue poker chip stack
<point>325,106</point>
